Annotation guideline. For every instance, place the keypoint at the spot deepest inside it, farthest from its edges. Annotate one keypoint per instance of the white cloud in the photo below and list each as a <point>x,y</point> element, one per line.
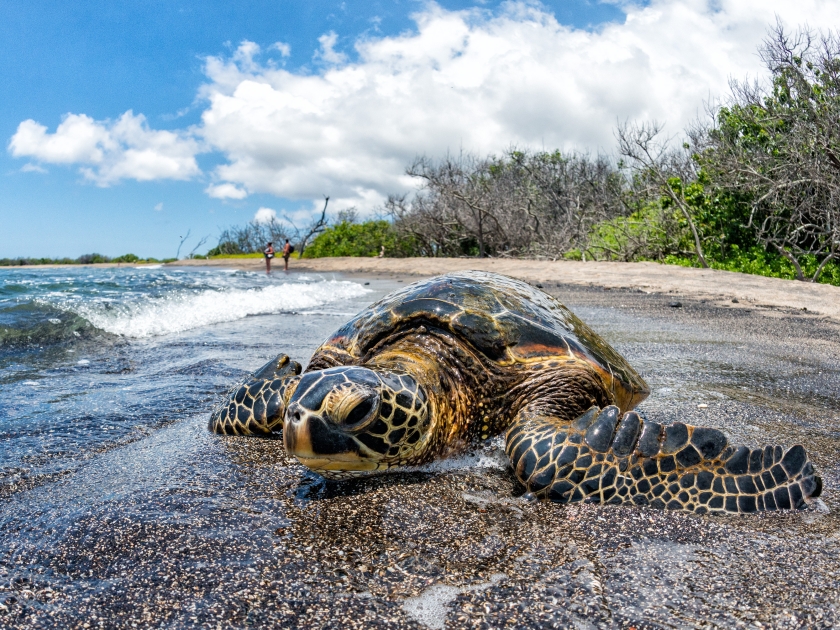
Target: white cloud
<point>265,215</point>
<point>283,47</point>
<point>78,139</point>
<point>110,150</point>
<point>32,168</point>
<point>225,191</point>
<point>159,206</point>
<point>473,80</point>
<point>481,82</point>
<point>327,51</point>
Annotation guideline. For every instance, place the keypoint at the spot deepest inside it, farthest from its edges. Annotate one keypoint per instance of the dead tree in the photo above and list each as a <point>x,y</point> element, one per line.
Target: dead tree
<point>462,192</point>
<point>315,228</point>
<point>183,240</point>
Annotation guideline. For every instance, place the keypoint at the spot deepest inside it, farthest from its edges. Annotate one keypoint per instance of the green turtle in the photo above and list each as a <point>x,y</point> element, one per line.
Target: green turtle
<point>447,362</point>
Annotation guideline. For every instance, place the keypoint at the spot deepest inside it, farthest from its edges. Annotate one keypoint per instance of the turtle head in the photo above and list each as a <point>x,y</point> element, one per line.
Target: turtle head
<point>350,421</point>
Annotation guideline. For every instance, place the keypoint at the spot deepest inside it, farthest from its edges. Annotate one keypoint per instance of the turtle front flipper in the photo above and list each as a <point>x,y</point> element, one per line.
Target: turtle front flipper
<point>257,406</point>
<point>603,456</point>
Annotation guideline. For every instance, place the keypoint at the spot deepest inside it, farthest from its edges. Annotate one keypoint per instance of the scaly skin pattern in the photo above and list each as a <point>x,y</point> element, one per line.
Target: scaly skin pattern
<point>605,457</point>
<point>257,407</point>
<point>448,362</point>
<point>383,418</point>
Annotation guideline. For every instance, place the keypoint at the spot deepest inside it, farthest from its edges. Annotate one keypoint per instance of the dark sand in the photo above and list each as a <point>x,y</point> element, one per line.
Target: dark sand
<point>184,528</point>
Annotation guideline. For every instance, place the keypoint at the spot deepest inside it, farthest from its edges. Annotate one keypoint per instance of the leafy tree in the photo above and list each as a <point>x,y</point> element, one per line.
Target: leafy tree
<point>776,149</point>
<point>89,259</point>
<point>658,170</point>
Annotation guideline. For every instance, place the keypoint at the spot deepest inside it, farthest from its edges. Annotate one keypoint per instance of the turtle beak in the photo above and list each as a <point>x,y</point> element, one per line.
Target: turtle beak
<point>295,431</point>
<point>319,444</point>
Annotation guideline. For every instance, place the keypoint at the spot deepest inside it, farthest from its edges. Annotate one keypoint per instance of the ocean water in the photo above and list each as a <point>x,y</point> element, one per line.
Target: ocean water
<point>92,359</point>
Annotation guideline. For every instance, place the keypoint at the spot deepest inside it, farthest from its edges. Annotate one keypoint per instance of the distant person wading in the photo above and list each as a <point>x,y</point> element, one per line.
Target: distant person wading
<point>268,252</point>
<point>288,248</point>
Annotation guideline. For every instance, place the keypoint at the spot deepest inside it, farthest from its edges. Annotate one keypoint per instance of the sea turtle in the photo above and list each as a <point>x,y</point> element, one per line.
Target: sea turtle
<point>446,362</point>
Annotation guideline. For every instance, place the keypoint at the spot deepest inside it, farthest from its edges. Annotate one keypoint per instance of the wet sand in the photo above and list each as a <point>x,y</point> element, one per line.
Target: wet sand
<point>183,528</point>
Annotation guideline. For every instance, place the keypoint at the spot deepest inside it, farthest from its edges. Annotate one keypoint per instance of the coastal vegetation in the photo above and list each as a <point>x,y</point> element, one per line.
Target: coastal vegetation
<point>86,259</point>
<point>754,187</point>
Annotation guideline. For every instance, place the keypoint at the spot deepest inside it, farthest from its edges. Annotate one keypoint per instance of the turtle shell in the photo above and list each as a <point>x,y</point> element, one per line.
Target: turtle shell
<point>507,320</point>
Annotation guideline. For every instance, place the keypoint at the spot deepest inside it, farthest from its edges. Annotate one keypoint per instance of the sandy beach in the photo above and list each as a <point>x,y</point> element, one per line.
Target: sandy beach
<point>724,288</point>
<point>147,518</point>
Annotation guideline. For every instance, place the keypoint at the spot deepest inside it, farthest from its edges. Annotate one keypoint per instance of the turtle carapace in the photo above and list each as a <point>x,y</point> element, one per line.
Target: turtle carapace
<point>456,359</point>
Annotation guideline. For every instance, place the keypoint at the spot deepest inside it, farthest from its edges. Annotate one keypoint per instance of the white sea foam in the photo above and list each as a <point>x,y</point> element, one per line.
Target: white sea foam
<point>185,310</point>
<point>431,607</point>
<point>489,456</point>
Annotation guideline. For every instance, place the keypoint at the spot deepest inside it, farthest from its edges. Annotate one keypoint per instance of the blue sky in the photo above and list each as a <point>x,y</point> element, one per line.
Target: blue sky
<point>126,124</point>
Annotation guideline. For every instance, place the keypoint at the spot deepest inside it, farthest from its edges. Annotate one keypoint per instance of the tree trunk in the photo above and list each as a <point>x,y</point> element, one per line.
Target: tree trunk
<point>698,248</point>
<point>799,275</point>
<point>480,234</point>
<point>822,265</point>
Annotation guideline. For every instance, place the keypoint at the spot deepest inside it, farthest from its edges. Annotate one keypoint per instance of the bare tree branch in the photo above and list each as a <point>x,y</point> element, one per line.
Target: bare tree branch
<point>183,240</point>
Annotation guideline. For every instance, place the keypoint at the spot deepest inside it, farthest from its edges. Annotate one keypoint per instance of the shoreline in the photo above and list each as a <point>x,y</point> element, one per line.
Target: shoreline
<point>724,288</point>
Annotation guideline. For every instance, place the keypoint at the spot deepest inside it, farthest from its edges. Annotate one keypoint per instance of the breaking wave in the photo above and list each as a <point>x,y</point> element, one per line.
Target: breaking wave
<point>185,310</point>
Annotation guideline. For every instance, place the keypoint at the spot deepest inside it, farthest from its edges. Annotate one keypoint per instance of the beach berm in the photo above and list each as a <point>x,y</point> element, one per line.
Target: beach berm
<point>724,288</point>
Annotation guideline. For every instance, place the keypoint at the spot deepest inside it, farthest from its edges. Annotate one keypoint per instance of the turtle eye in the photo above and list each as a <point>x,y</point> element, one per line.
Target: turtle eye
<point>360,412</point>
<point>356,409</point>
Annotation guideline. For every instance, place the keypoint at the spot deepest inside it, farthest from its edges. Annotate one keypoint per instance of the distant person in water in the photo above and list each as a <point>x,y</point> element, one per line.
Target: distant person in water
<point>268,252</point>
<point>287,251</point>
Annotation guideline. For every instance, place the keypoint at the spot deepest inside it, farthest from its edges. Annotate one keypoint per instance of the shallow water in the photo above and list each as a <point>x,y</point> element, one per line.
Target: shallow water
<point>119,507</point>
<point>92,359</point>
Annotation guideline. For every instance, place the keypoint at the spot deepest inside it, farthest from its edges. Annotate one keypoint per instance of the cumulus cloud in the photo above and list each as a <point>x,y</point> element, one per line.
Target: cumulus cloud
<point>225,191</point>
<point>265,215</point>
<point>327,50</point>
<point>109,151</point>
<point>284,49</point>
<point>476,80</point>
<point>78,139</point>
<point>481,82</point>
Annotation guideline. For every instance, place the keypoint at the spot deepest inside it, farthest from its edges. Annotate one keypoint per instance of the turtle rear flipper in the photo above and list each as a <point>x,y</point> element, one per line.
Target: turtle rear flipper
<point>257,406</point>
<point>603,456</point>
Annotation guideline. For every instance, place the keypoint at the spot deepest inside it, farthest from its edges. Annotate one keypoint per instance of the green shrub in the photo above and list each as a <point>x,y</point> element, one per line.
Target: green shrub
<point>126,258</point>
<point>252,255</point>
<point>225,248</point>
<point>357,239</point>
<point>759,262</point>
<point>90,259</point>
<point>647,234</point>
